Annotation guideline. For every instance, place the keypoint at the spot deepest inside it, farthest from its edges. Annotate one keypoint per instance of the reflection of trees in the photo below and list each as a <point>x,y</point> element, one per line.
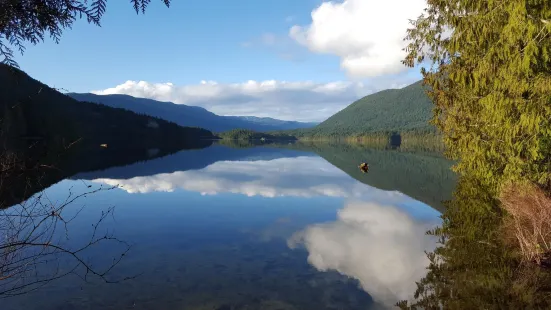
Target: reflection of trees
<point>35,248</point>
<point>423,176</point>
<point>474,267</point>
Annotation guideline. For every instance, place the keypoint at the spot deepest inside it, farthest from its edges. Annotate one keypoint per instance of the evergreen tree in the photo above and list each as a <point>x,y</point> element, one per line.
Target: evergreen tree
<point>29,20</point>
<point>490,80</point>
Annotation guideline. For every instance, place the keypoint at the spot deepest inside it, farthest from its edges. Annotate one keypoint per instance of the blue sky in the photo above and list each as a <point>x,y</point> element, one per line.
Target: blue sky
<point>231,43</point>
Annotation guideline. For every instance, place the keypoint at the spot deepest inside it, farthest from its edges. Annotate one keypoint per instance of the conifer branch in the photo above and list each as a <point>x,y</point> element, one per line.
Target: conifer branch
<point>29,21</point>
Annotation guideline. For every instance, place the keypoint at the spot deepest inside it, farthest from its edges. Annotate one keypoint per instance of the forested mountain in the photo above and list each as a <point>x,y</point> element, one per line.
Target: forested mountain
<point>393,110</point>
<point>31,110</point>
<point>190,115</point>
<point>46,136</point>
<point>268,121</point>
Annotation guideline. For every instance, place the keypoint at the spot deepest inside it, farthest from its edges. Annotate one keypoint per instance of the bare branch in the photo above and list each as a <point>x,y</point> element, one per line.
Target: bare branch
<point>32,251</point>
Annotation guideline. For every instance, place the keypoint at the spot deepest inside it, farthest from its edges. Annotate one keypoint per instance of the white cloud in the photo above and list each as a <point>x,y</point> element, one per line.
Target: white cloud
<point>366,34</point>
<point>301,100</point>
<point>380,245</point>
<point>304,101</point>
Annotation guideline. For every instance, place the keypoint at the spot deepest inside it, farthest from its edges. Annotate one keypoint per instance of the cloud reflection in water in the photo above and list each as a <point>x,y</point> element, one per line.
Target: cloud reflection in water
<point>378,237</point>
<point>297,177</point>
<point>378,244</point>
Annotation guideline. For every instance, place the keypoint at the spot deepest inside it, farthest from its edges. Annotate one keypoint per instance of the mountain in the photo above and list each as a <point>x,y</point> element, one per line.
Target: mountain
<point>189,115</point>
<point>32,111</point>
<point>42,130</point>
<point>392,110</point>
<point>268,121</point>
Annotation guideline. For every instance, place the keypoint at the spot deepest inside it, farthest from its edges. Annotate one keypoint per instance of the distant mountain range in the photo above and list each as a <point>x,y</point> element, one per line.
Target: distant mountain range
<point>190,115</point>
<point>30,110</point>
<point>393,110</point>
<point>408,109</point>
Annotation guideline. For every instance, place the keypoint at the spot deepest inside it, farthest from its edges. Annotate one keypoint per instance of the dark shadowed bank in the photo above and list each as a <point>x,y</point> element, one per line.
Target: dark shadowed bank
<point>42,129</point>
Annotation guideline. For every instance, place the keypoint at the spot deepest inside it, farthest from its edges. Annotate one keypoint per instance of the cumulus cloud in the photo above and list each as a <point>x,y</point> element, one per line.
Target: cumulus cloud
<point>299,100</point>
<point>297,177</point>
<point>367,35</point>
<point>304,101</point>
<point>379,244</point>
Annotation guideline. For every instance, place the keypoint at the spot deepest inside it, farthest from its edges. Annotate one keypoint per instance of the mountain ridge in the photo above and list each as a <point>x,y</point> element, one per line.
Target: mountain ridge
<point>186,115</point>
<point>30,109</point>
<point>408,109</point>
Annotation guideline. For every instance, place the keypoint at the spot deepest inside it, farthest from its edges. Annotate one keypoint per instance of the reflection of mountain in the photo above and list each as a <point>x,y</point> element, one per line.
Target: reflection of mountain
<point>424,177</point>
<point>302,176</point>
<point>191,160</point>
<point>277,171</point>
<point>74,161</point>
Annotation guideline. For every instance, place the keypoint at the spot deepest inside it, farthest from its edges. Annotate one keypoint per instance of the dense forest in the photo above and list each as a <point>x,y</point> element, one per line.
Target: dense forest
<point>406,110</point>
<point>245,134</point>
<point>390,117</point>
<point>47,136</point>
<point>490,82</point>
<point>33,111</point>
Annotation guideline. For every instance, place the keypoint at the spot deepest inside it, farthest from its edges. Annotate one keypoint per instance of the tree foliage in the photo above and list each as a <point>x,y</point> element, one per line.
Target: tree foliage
<point>474,267</point>
<point>245,134</point>
<point>490,80</point>
<point>390,170</point>
<point>31,20</point>
<point>380,114</point>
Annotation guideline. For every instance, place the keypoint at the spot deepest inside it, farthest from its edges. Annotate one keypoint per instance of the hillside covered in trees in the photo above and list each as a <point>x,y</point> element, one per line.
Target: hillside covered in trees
<point>406,110</point>
<point>32,111</point>
<point>244,134</point>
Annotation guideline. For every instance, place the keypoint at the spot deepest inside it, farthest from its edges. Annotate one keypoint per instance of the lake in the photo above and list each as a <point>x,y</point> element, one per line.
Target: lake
<point>262,227</point>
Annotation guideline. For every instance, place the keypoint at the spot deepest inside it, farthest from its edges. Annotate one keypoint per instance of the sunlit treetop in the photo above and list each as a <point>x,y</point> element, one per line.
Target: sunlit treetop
<point>31,20</point>
<point>489,74</point>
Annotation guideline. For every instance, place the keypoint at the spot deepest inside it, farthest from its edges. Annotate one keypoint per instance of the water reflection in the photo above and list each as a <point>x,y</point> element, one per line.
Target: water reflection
<point>297,177</point>
<point>36,248</point>
<point>259,228</point>
<point>477,265</point>
<point>275,172</point>
<point>380,244</point>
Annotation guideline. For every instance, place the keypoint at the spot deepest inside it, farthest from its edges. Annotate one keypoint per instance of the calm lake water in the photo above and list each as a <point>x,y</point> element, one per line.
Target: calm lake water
<point>254,228</point>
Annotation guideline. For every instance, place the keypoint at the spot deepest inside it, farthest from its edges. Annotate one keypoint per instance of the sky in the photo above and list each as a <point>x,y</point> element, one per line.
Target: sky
<point>236,57</point>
